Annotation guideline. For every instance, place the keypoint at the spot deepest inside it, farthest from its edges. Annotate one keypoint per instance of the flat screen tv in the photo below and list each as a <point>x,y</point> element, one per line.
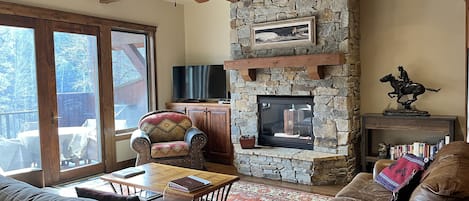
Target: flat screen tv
<point>199,83</point>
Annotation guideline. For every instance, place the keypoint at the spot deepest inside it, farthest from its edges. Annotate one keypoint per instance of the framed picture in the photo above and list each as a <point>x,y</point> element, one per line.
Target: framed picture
<point>294,32</point>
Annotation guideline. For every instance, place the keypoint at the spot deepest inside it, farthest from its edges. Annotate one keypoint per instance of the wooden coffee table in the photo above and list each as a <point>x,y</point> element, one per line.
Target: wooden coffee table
<point>157,176</point>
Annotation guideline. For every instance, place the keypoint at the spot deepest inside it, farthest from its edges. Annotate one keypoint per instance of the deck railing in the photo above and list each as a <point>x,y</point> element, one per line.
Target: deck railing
<point>11,123</point>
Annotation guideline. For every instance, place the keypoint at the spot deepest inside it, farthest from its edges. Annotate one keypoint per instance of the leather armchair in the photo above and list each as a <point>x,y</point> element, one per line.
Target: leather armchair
<point>168,137</point>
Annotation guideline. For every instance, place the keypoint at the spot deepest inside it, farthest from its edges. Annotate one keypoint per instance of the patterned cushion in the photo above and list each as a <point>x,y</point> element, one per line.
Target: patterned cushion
<point>165,126</point>
<point>402,176</point>
<point>399,173</point>
<point>169,149</point>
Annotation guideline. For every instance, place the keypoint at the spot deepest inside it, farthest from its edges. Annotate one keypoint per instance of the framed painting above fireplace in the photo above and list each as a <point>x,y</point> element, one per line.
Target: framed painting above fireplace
<point>286,33</point>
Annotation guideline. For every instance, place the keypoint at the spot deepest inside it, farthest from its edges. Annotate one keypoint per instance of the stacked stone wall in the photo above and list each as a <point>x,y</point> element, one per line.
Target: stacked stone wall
<point>336,97</point>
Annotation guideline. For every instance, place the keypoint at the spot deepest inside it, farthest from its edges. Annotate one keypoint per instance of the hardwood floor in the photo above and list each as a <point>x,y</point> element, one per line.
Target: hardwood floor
<point>330,190</point>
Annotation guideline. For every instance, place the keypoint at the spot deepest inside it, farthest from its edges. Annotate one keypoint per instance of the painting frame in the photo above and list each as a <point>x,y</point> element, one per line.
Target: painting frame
<point>285,33</point>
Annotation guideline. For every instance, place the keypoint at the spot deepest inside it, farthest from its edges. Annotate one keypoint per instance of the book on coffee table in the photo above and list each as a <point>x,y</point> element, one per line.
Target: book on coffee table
<point>128,172</point>
<point>189,184</point>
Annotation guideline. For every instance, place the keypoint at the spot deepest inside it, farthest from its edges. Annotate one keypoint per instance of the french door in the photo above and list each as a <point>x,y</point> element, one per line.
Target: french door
<point>75,49</point>
<point>49,110</point>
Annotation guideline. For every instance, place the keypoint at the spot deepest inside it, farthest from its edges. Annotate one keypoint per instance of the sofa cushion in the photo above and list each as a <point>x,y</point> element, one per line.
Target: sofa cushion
<point>103,196</point>
<point>399,173</point>
<point>447,176</point>
<point>363,188</point>
<point>169,149</point>
<point>12,189</point>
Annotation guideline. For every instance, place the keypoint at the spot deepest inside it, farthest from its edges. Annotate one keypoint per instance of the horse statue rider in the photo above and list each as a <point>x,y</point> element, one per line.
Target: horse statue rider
<point>405,81</point>
<point>403,75</point>
<point>404,86</point>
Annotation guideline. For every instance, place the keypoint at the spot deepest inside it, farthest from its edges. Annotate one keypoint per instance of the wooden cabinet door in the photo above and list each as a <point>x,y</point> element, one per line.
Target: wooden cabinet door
<point>198,115</point>
<point>214,120</point>
<point>219,147</point>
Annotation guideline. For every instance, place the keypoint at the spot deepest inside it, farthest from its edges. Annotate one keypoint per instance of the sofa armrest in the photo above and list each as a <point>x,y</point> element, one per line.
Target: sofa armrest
<point>380,165</point>
<point>195,138</point>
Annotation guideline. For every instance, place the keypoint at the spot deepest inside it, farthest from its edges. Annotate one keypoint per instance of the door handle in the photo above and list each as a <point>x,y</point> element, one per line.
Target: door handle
<point>55,119</point>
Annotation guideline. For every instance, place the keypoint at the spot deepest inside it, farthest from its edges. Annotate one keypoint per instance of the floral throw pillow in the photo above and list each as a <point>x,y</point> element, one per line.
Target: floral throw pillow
<point>402,176</point>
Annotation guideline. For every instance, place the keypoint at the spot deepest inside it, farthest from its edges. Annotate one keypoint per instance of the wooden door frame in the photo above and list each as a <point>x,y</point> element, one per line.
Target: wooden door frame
<point>33,176</point>
<point>467,70</point>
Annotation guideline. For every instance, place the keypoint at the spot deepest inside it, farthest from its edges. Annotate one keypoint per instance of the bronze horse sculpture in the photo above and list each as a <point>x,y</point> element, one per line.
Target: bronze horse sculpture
<point>402,88</point>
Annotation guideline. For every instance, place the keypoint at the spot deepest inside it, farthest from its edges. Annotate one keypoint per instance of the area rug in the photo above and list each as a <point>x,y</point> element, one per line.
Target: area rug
<point>248,191</point>
<point>240,191</point>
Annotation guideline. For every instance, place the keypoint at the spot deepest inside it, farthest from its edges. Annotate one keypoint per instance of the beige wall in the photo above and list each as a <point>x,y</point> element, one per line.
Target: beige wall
<point>427,37</point>
<point>207,27</point>
<point>207,32</point>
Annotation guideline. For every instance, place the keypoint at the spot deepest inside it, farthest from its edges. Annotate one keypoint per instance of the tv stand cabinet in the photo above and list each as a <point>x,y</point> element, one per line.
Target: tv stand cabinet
<point>215,120</point>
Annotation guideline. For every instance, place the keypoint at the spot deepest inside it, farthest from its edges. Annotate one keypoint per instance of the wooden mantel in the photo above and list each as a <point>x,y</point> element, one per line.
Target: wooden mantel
<point>313,64</point>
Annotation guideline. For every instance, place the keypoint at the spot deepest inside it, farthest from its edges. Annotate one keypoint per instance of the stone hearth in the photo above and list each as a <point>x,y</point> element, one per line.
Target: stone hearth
<point>292,165</point>
<point>335,97</point>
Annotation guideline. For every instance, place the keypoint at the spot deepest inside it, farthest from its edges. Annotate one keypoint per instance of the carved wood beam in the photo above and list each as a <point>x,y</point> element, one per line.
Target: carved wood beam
<point>312,63</point>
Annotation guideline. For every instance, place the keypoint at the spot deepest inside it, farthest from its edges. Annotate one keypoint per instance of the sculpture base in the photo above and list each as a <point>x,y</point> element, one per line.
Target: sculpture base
<point>405,112</point>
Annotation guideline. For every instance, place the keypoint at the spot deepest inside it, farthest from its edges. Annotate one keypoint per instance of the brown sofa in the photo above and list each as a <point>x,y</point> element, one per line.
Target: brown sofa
<point>447,178</point>
<point>15,190</point>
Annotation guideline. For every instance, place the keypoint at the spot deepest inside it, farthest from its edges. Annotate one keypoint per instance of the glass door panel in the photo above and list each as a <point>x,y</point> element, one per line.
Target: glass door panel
<point>76,71</point>
<point>19,135</point>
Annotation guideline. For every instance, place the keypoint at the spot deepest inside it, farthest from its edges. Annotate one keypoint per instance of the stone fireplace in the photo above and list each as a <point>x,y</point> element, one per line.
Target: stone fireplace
<point>334,107</point>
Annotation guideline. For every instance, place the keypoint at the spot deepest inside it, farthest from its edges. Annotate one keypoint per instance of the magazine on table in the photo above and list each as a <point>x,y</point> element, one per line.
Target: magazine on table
<point>189,184</point>
<point>128,172</point>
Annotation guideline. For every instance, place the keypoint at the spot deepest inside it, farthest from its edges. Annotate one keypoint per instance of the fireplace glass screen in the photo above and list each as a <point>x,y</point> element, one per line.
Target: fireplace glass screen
<point>286,121</point>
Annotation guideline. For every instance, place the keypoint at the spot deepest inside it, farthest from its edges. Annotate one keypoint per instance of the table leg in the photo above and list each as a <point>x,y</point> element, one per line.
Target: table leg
<point>220,194</point>
<point>124,189</point>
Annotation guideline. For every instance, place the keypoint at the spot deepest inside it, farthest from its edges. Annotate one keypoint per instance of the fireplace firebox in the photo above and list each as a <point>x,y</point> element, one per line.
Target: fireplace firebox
<point>286,121</point>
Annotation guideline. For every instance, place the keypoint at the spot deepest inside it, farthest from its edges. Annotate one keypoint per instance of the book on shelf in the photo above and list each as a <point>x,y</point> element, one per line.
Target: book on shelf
<point>128,172</point>
<point>189,184</point>
<point>420,149</point>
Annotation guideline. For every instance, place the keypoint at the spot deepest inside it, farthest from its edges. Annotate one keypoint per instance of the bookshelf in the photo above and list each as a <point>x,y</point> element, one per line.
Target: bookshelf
<point>398,130</point>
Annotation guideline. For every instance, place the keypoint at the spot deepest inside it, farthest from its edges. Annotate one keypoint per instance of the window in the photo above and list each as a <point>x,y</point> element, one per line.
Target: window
<point>129,75</point>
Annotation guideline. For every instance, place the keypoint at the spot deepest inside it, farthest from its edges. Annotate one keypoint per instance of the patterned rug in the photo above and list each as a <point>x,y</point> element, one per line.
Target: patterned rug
<point>240,191</point>
<point>248,191</point>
